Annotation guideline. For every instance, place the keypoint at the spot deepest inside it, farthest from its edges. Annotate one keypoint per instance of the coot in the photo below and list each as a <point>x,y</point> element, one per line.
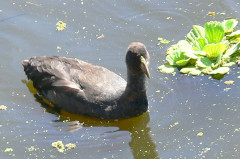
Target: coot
<point>80,87</point>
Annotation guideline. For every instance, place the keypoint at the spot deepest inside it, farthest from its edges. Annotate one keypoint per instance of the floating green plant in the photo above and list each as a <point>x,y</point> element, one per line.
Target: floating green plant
<point>211,49</point>
<point>61,26</point>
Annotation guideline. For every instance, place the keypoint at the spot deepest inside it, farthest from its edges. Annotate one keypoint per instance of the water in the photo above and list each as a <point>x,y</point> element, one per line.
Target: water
<point>184,107</point>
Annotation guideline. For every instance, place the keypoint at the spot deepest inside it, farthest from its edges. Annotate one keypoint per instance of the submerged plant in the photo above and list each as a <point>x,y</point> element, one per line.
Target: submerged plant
<point>211,49</point>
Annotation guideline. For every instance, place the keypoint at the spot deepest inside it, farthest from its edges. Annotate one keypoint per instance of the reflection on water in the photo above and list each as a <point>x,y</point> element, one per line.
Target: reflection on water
<point>141,142</point>
<point>197,104</point>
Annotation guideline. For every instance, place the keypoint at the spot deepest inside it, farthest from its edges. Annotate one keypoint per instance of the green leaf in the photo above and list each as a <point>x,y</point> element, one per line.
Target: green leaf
<point>207,70</point>
<point>186,70</point>
<point>229,25</point>
<point>162,41</point>
<point>177,58</point>
<point>214,32</point>
<point>200,43</point>
<point>191,55</point>
<point>166,68</point>
<point>214,50</point>
<point>201,53</point>
<point>229,64</point>
<point>182,62</point>
<point>234,34</point>
<point>220,70</point>
<point>195,72</point>
<point>196,33</point>
<point>218,61</point>
<point>191,71</point>
<point>204,62</point>
<point>206,50</point>
<point>232,50</point>
<point>172,48</point>
<point>186,47</point>
<point>184,44</point>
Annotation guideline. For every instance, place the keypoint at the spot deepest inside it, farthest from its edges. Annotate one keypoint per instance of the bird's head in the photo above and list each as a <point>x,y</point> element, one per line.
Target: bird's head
<point>138,59</point>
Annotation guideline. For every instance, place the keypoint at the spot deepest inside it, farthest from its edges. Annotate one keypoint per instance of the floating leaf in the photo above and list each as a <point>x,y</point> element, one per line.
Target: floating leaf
<point>234,34</point>
<point>186,70</point>
<point>230,82</point>
<point>214,32</point>
<point>171,49</point>
<point>196,33</point>
<point>3,107</point>
<point>204,62</point>
<point>190,71</point>
<point>181,62</point>
<point>8,150</point>
<point>232,50</point>
<point>221,70</point>
<point>162,41</point>
<point>61,26</point>
<point>229,25</point>
<point>191,54</point>
<point>229,64</point>
<point>185,47</point>
<point>59,145</point>
<point>201,53</point>
<point>166,68</point>
<point>218,61</point>
<point>70,146</point>
<point>207,70</point>
<point>200,43</point>
<point>195,72</point>
<point>214,50</point>
<point>177,58</point>
<point>206,50</point>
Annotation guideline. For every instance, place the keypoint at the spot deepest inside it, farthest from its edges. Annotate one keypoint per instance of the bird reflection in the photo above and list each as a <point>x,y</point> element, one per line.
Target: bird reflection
<point>141,142</point>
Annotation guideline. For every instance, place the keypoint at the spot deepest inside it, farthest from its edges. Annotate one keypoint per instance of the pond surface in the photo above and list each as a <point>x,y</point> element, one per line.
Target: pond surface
<point>191,117</point>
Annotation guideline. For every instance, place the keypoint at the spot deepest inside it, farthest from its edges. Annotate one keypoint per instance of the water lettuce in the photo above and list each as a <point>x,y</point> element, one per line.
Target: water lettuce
<point>211,49</point>
<point>204,62</point>
<point>229,25</point>
<point>196,33</point>
<point>214,32</point>
<point>177,58</point>
<point>191,71</point>
<point>214,50</point>
<point>166,68</point>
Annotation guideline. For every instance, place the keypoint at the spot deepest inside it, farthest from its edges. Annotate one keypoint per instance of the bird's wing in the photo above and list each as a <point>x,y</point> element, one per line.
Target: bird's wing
<point>94,83</point>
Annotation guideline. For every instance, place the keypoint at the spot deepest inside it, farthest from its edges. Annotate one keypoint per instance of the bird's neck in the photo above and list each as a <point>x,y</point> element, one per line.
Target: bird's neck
<point>136,83</point>
<point>134,99</point>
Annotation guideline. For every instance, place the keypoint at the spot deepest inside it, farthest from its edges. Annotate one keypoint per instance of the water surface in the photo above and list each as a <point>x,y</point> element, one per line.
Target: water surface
<point>184,107</point>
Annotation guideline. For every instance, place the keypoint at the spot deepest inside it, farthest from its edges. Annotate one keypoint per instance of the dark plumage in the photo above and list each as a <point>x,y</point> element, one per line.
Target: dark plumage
<point>79,87</point>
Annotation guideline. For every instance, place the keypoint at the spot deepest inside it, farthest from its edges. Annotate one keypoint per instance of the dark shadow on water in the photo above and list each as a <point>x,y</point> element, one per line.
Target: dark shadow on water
<point>141,142</point>
<point>218,76</point>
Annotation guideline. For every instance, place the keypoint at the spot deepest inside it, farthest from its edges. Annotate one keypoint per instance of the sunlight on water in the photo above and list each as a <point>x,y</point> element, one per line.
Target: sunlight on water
<point>188,117</point>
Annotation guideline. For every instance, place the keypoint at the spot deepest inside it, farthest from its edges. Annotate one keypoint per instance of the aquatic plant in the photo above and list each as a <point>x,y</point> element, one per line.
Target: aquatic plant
<point>211,49</point>
<point>61,26</point>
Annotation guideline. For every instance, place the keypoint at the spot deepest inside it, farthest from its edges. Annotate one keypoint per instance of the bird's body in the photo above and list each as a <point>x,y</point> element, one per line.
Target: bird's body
<point>80,87</point>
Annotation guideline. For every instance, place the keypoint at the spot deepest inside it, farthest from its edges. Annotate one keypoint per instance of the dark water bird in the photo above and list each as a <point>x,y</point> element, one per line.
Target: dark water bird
<point>80,87</point>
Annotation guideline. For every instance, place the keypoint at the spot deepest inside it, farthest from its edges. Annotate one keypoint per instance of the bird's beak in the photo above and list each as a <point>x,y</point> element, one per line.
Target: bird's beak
<point>145,67</point>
